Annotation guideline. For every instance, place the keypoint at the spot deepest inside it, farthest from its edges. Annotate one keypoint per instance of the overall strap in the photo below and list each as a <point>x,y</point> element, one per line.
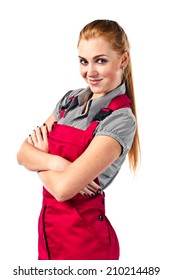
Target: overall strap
<point>121,101</point>
<point>65,107</point>
<point>68,104</point>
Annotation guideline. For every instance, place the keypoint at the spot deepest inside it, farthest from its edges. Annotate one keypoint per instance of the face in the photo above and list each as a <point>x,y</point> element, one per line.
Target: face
<point>100,66</point>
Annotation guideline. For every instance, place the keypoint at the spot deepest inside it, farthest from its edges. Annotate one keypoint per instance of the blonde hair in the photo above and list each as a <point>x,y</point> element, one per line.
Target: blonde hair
<point>112,32</point>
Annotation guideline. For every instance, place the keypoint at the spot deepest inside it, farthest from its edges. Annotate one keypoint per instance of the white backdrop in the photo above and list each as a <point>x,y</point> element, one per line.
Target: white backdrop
<point>38,65</point>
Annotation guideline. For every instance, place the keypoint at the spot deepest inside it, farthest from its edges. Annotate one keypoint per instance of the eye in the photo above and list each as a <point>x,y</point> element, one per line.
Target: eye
<point>101,61</point>
<point>83,61</point>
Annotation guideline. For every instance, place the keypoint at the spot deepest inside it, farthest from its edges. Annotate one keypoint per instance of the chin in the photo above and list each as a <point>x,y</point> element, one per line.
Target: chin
<point>96,89</point>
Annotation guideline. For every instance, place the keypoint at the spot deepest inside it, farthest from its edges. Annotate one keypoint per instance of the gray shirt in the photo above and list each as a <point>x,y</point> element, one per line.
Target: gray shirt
<point>120,125</point>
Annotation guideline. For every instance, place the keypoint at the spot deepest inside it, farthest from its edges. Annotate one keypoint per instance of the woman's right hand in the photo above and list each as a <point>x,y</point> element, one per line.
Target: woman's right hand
<point>91,189</point>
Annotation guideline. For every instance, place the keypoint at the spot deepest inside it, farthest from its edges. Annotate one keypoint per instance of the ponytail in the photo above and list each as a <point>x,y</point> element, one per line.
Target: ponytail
<point>134,153</point>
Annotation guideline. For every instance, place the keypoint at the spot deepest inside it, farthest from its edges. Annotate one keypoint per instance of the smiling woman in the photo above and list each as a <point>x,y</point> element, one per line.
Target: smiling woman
<point>81,147</point>
<point>101,66</point>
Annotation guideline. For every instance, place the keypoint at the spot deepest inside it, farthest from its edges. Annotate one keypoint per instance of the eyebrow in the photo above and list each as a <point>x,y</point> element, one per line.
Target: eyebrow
<point>94,56</point>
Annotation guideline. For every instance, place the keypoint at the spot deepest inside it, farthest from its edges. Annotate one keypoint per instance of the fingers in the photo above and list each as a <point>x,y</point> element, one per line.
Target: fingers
<point>39,138</point>
<point>94,186</point>
<point>38,134</point>
<point>29,139</point>
<point>91,191</point>
<point>34,137</point>
<point>83,193</point>
<point>41,133</point>
<point>44,132</point>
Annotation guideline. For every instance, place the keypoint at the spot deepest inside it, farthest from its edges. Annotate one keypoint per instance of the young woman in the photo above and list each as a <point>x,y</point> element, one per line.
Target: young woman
<point>79,150</point>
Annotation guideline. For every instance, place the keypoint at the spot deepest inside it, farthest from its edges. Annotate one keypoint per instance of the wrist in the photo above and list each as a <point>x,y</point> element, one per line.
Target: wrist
<point>58,163</point>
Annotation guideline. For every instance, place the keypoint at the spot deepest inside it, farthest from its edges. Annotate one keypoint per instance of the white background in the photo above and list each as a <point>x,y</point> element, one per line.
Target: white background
<point>38,65</point>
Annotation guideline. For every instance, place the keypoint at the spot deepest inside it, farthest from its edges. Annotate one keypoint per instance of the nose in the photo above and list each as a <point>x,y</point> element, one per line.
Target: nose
<point>91,71</point>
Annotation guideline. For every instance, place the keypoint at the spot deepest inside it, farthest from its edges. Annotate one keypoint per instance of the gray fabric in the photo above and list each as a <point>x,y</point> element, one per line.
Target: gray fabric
<point>120,125</point>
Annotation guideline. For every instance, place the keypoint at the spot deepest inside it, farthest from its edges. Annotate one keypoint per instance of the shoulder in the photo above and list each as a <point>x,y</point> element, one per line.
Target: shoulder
<point>120,125</point>
<point>119,118</point>
<point>71,93</point>
<point>75,92</point>
<point>64,100</point>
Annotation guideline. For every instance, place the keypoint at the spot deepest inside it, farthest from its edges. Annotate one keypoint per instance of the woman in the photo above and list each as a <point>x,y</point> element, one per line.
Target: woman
<point>80,149</point>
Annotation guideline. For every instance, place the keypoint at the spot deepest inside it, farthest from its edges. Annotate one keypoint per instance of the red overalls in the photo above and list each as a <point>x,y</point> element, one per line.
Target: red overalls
<point>76,229</point>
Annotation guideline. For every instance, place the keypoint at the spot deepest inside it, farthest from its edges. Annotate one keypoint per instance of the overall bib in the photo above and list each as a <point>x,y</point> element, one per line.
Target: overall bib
<point>77,229</point>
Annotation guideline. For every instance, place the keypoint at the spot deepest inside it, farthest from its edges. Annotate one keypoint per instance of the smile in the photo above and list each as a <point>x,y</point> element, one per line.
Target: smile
<point>94,81</point>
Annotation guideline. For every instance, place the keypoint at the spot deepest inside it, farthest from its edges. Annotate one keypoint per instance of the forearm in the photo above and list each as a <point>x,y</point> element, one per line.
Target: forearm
<point>100,154</point>
<point>36,160</point>
<point>55,183</point>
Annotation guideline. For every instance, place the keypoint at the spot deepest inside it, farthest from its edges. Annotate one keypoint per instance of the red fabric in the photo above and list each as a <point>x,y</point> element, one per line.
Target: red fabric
<point>76,229</point>
<point>121,101</point>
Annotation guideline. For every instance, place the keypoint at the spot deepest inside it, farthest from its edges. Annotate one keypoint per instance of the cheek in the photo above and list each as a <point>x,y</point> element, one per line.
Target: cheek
<point>82,72</point>
<point>113,74</point>
<point>109,71</point>
<point>109,75</point>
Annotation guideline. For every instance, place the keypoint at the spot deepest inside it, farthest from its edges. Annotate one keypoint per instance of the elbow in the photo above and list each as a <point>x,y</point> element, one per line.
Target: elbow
<point>58,184</point>
<point>18,157</point>
<point>63,193</point>
<point>21,154</point>
<point>62,196</point>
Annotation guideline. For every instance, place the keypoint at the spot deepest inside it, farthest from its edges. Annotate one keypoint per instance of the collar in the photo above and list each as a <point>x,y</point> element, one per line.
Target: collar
<point>86,93</point>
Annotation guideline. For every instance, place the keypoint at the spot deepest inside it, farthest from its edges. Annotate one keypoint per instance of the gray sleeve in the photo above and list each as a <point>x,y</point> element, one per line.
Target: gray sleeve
<point>120,125</point>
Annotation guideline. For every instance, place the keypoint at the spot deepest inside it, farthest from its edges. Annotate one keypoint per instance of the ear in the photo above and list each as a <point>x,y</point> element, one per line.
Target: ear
<point>125,59</point>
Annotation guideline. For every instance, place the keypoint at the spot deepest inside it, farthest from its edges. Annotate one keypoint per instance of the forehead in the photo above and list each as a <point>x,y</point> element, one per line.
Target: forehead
<point>94,47</point>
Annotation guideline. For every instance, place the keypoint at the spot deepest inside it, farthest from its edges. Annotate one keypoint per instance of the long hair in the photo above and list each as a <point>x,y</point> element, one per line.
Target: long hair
<point>113,33</point>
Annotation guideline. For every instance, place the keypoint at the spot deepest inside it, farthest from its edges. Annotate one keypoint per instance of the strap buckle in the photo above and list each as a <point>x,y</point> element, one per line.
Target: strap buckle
<point>102,114</point>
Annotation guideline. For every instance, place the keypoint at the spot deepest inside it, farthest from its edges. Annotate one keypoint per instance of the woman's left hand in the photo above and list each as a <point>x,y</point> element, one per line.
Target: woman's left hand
<point>38,138</point>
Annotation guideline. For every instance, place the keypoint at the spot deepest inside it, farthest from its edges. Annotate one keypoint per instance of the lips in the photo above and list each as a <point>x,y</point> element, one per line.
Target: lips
<point>94,81</point>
